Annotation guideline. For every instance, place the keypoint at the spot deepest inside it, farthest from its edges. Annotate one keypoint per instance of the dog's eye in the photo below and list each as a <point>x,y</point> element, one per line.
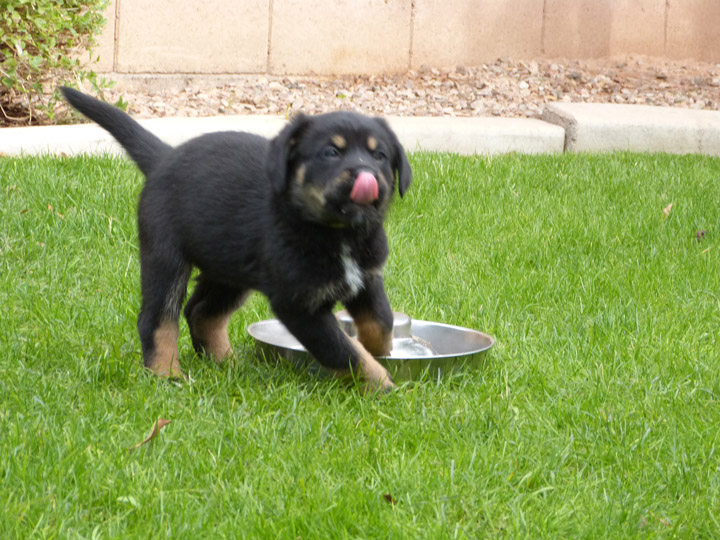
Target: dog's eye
<point>330,152</point>
<point>379,155</point>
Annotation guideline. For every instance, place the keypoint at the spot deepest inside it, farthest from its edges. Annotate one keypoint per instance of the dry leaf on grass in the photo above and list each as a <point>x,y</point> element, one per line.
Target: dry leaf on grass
<point>667,210</point>
<point>389,499</point>
<point>161,423</point>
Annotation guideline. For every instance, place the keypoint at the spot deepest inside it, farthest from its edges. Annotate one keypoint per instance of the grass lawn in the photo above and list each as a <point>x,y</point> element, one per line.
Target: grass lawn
<point>596,414</point>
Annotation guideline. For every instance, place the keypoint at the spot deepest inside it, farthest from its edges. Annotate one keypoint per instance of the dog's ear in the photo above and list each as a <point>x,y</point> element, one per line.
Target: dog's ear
<point>281,151</point>
<point>402,166</point>
<point>400,163</point>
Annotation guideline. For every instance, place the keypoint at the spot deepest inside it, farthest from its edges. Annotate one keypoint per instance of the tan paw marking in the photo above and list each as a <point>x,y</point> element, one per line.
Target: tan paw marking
<point>375,376</point>
<point>164,360</point>
<point>373,336</point>
<point>212,333</point>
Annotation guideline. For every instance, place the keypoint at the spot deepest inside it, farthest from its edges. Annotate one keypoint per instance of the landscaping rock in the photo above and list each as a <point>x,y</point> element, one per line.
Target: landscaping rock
<point>506,88</point>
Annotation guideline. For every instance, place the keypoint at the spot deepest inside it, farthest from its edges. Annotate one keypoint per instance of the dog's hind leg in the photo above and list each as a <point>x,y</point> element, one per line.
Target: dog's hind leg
<point>208,313</point>
<point>163,292</point>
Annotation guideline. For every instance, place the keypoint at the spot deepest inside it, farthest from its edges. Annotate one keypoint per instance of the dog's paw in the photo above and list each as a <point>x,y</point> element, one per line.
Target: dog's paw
<point>210,338</point>
<point>382,348</point>
<point>385,386</point>
<point>172,373</point>
<point>374,375</point>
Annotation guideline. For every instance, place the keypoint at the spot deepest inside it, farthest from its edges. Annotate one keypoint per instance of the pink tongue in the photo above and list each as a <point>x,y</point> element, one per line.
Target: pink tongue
<point>365,189</point>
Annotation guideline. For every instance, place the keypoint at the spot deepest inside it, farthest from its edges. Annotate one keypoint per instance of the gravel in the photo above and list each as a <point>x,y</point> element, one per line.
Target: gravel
<point>505,88</point>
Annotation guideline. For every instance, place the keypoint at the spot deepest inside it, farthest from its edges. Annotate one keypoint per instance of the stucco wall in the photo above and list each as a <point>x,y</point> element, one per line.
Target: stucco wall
<point>372,36</point>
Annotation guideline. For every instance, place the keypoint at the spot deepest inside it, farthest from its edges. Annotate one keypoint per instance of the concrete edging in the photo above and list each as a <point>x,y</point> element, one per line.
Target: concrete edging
<point>442,134</point>
<point>571,127</point>
<point>596,127</point>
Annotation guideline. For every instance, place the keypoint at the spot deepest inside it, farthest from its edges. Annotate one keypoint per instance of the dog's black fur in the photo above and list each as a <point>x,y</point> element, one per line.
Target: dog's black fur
<point>274,216</point>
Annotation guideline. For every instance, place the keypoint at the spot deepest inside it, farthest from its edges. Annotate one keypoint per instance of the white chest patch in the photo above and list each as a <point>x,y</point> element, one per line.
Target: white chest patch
<point>353,274</point>
<point>348,286</point>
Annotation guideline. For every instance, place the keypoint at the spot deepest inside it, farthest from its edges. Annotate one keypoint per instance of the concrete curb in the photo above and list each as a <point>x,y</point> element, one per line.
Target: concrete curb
<point>92,139</point>
<point>482,135</point>
<point>461,135</point>
<point>572,127</point>
<point>595,127</point>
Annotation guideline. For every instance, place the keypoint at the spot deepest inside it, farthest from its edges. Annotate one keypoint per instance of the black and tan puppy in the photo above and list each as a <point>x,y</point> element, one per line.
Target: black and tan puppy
<point>298,218</point>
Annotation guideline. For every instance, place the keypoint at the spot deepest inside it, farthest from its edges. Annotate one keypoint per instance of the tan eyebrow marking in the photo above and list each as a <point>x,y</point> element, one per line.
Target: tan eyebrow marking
<point>372,143</point>
<point>339,141</point>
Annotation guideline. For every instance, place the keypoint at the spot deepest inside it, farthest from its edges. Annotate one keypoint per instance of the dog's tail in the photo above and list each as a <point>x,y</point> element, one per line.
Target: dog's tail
<point>144,148</point>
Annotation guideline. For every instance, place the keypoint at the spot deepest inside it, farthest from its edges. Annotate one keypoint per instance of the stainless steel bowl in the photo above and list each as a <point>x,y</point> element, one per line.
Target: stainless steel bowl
<point>420,348</point>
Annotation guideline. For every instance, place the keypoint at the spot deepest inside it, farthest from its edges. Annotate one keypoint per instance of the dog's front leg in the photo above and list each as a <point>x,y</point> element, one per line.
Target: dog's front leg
<point>321,335</point>
<point>373,316</point>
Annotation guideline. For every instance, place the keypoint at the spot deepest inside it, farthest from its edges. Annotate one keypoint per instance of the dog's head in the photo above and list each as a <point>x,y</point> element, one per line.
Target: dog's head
<point>338,169</point>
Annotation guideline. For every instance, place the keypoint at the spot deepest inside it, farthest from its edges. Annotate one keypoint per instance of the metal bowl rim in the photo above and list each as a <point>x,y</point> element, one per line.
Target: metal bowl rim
<point>487,347</point>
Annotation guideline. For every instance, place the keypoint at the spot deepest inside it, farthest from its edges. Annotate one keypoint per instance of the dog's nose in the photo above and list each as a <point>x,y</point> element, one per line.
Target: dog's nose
<point>365,188</point>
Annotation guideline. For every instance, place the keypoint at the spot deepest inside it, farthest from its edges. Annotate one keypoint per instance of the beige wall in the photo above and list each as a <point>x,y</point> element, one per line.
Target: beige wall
<point>373,36</point>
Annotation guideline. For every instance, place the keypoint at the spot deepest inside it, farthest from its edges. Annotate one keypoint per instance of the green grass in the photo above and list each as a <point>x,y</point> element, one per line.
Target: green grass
<point>595,416</point>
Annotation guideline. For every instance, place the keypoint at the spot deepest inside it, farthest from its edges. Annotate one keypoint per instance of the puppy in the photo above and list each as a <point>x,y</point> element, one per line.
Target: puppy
<point>298,218</point>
